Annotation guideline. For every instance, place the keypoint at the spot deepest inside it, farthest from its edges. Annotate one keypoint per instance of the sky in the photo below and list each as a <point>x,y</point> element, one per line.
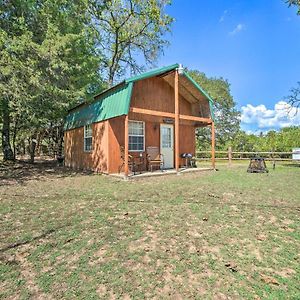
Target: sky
<point>254,44</point>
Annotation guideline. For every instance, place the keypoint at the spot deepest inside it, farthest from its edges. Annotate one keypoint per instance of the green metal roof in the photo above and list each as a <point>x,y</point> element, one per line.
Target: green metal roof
<point>152,73</point>
<point>113,103</point>
<point>211,101</point>
<point>116,101</point>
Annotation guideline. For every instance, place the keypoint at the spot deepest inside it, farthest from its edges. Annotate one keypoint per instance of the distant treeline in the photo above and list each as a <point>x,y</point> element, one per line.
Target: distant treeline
<point>279,141</point>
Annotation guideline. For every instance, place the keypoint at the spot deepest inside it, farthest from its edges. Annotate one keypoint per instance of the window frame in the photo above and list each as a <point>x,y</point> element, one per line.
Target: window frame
<point>87,137</point>
<point>144,136</point>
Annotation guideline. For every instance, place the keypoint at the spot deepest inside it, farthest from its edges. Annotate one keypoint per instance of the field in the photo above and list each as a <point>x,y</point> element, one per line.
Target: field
<point>212,235</point>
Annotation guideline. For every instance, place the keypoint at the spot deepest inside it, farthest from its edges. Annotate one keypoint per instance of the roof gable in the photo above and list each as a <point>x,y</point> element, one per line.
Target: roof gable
<point>115,101</point>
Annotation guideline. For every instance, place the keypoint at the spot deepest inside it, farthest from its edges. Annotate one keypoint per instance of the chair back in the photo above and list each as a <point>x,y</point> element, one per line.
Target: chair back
<point>153,153</point>
<point>122,152</point>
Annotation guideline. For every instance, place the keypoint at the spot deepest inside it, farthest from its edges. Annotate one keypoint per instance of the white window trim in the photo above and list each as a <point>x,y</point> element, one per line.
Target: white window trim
<point>85,137</point>
<point>136,121</point>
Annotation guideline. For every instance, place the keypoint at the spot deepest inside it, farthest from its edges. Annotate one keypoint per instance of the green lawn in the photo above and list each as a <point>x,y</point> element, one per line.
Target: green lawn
<point>211,235</point>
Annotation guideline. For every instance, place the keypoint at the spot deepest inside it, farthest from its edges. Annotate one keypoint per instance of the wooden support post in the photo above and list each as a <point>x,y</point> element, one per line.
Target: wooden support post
<point>229,155</point>
<point>176,98</point>
<point>213,159</point>
<point>126,148</point>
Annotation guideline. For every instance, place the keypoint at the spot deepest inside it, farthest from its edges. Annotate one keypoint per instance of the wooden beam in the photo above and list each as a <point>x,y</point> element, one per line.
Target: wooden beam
<point>213,151</point>
<point>151,112</point>
<point>196,119</point>
<point>169,115</point>
<point>126,147</point>
<point>176,98</point>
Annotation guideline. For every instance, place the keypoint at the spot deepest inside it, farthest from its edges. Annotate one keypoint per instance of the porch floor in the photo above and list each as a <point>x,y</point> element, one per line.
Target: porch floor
<point>144,174</point>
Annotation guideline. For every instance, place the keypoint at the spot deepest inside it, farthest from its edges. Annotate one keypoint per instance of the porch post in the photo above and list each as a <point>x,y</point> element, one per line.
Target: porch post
<point>213,160</point>
<point>176,121</point>
<point>126,147</point>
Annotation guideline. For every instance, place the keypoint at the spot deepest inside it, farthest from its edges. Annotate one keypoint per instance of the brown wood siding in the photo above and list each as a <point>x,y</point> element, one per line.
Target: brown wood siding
<point>152,138</point>
<point>156,94</point>
<point>116,140</point>
<point>153,94</point>
<point>77,158</point>
<point>187,141</point>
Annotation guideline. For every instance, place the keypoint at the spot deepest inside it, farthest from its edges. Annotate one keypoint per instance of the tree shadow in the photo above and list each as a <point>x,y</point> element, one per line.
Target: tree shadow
<point>21,171</point>
<point>292,165</point>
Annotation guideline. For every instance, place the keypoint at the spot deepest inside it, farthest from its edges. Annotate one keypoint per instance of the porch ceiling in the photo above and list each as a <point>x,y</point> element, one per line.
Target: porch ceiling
<point>186,89</point>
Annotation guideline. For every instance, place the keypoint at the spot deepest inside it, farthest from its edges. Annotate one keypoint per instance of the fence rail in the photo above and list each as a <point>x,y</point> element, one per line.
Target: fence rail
<point>245,155</point>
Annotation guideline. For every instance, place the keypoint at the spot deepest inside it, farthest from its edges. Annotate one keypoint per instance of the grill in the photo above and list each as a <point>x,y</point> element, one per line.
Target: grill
<point>190,161</point>
<point>257,165</point>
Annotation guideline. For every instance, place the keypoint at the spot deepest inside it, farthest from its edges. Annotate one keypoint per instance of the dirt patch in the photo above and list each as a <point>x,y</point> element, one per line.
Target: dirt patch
<point>147,243</point>
<point>101,290</point>
<point>29,275</point>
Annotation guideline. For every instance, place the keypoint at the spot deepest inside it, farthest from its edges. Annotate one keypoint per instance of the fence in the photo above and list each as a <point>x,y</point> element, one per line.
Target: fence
<point>245,155</point>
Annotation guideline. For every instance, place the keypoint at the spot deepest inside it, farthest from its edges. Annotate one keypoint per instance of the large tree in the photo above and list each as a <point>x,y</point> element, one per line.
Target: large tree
<point>54,53</point>
<point>47,63</point>
<point>294,97</point>
<point>130,33</point>
<point>226,115</point>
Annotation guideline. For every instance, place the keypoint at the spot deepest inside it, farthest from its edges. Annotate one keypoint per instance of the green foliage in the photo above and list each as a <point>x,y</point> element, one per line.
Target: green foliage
<point>48,62</point>
<point>47,58</point>
<point>282,141</point>
<point>227,117</point>
<point>55,53</point>
<point>294,3</point>
<point>128,32</point>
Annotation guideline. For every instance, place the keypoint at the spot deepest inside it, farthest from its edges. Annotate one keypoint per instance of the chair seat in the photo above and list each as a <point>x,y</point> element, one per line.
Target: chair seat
<point>155,161</point>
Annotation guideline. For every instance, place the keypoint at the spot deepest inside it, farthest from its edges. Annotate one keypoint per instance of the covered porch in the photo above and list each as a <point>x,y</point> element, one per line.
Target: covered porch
<point>183,86</point>
<point>163,172</point>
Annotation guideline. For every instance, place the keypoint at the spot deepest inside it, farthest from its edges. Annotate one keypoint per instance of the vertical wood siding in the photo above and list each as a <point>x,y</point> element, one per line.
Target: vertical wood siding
<point>77,158</point>
<point>108,136</point>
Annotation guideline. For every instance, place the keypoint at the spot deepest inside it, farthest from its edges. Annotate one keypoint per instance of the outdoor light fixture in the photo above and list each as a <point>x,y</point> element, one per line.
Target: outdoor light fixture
<point>180,69</point>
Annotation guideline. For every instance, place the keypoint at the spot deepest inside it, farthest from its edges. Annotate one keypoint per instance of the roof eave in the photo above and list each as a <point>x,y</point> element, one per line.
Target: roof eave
<point>152,73</point>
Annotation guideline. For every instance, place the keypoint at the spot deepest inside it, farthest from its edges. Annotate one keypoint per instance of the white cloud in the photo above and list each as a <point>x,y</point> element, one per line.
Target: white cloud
<point>237,29</point>
<point>222,18</point>
<point>283,115</point>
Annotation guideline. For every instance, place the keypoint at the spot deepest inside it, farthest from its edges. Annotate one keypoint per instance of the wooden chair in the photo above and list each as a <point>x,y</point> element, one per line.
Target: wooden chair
<point>130,160</point>
<point>133,164</point>
<point>154,158</point>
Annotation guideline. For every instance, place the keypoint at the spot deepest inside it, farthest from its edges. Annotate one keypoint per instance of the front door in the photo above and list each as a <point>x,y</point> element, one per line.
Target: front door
<point>167,145</point>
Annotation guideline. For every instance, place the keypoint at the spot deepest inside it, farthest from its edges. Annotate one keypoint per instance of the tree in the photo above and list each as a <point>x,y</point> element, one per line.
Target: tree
<point>47,59</point>
<point>294,98</point>
<point>128,31</point>
<point>294,3</point>
<point>227,117</point>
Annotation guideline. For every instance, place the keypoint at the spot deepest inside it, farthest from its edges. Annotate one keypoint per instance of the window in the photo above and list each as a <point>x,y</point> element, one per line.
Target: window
<point>166,139</point>
<point>136,135</point>
<point>88,138</point>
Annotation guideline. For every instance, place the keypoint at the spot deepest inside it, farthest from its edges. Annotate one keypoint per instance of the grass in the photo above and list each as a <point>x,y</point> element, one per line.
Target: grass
<point>210,235</point>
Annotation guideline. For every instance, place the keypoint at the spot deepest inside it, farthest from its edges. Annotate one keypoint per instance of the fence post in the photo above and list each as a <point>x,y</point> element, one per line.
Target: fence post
<point>229,155</point>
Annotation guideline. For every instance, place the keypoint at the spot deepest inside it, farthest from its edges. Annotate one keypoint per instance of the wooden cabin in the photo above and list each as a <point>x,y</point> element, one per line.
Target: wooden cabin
<point>158,111</point>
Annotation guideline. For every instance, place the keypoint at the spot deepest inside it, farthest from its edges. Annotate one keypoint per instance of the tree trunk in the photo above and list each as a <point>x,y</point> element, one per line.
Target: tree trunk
<point>60,141</point>
<point>15,131</point>
<point>32,148</point>
<point>6,147</point>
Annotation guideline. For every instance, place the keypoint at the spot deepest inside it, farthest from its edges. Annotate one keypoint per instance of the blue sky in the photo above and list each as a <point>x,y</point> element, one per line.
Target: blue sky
<point>255,44</point>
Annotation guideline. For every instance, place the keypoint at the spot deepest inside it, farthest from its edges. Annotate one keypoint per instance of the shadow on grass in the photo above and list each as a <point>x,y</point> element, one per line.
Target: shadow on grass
<point>292,165</point>
<point>21,171</point>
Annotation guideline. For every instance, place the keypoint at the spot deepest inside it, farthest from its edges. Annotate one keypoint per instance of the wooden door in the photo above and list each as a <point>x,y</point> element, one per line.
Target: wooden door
<point>167,145</point>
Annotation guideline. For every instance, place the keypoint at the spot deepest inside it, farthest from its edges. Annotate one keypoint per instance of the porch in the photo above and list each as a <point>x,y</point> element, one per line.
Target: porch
<point>189,109</point>
<point>157,173</point>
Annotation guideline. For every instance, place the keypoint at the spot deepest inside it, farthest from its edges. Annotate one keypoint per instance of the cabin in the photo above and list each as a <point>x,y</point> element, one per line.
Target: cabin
<point>146,122</point>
